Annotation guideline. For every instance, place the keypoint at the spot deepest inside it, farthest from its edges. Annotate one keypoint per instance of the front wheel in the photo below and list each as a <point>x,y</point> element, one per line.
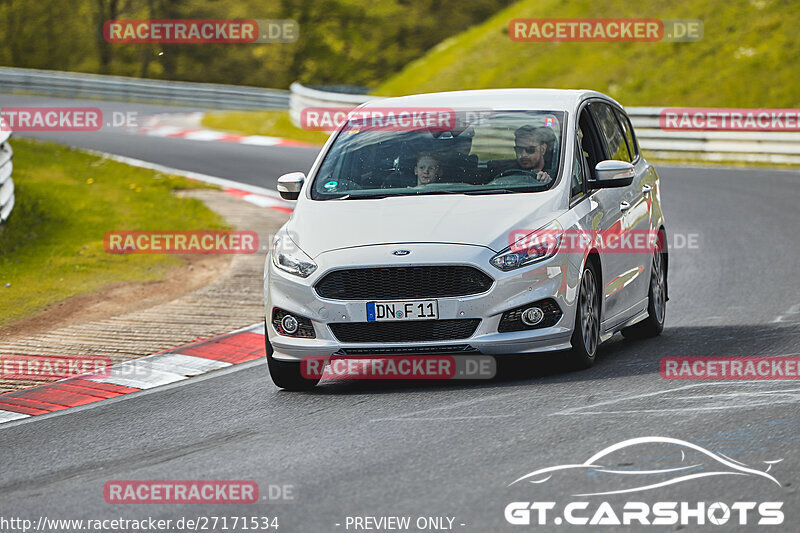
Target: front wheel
<point>586,333</point>
<point>653,325</point>
<point>287,374</point>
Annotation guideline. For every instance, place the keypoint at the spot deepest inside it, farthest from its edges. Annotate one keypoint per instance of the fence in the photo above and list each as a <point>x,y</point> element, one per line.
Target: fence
<point>202,95</point>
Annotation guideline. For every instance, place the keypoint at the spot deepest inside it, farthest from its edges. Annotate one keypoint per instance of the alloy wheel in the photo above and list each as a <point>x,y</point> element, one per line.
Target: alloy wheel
<point>590,313</point>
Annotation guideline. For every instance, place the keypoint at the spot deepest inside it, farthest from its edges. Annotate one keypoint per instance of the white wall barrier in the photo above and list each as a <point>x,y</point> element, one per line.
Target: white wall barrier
<point>6,183</point>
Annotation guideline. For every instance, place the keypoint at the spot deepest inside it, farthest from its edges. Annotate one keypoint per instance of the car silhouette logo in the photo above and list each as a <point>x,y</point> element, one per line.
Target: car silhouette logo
<point>705,463</point>
<point>401,252</point>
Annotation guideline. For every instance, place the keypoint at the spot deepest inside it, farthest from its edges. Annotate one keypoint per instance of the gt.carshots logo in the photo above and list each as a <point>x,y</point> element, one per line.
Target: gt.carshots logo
<point>604,470</point>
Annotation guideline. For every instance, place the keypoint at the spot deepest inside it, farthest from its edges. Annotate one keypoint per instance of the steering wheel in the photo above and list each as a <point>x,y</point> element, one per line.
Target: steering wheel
<point>506,174</point>
<point>516,171</point>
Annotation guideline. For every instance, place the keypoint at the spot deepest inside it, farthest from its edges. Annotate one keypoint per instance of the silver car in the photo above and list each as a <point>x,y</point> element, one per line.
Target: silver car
<point>516,221</point>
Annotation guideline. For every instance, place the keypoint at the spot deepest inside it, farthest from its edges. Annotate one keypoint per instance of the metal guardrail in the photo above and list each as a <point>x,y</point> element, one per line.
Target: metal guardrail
<point>744,146</point>
<point>6,183</point>
<point>79,85</point>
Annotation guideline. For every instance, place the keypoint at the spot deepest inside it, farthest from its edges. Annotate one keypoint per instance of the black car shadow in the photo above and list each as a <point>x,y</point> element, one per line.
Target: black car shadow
<point>617,357</point>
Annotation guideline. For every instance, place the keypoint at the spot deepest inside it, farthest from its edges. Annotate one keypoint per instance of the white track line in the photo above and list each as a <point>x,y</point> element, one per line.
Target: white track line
<point>222,182</point>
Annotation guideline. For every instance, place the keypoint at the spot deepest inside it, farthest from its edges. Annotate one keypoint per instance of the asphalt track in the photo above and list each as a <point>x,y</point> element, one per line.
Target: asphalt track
<point>433,449</point>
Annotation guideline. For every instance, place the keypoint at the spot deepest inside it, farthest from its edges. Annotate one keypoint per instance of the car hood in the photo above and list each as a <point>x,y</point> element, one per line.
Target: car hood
<point>486,220</point>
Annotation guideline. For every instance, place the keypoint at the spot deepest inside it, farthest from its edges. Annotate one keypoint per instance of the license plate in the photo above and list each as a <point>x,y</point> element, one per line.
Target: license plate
<point>408,310</point>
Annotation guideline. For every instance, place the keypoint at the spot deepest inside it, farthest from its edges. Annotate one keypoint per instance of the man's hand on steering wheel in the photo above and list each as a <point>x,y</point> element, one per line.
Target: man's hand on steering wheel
<point>541,176</point>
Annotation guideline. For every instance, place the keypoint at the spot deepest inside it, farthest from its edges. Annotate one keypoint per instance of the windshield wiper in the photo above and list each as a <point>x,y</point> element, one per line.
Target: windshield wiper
<point>490,191</point>
<point>426,193</point>
<point>363,196</point>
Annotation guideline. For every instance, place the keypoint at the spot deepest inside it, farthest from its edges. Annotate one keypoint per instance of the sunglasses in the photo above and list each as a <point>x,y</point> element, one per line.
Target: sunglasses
<point>527,149</point>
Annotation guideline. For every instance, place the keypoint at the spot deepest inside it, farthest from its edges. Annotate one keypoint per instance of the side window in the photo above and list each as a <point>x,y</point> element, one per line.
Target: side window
<point>614,140</point>
<point>578,175</point>
<point>589,142</point>
<point>627,129</point>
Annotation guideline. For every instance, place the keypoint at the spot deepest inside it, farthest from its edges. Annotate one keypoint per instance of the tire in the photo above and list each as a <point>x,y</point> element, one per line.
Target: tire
<point>286,374</point>
<point>586,333</point>
<point>653,325</point>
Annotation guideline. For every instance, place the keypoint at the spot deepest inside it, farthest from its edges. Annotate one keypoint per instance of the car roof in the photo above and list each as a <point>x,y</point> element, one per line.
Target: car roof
<point>517,99</point>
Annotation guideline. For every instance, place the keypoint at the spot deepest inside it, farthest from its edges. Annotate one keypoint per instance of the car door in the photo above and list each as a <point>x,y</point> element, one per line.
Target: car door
<point>605,213</point>
<point>626,290</point>
<point>640,215</point>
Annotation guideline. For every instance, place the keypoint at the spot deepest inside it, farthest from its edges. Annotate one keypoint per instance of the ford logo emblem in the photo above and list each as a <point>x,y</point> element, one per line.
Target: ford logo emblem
<point>401,252</point>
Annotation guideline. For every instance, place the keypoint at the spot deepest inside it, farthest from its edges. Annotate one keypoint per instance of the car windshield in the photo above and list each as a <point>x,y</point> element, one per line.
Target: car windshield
<point>469,152</point>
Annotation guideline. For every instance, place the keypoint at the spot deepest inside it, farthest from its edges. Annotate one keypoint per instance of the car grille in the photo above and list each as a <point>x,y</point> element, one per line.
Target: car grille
<point>392,283</point>
<point>411,350</point>
<point>411,331</point>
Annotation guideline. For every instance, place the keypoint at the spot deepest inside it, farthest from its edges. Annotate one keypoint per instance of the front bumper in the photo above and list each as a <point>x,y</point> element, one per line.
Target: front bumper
<point>555,278</point>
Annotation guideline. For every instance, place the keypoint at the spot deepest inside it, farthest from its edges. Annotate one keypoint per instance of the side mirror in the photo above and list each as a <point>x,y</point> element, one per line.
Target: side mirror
<point>612,173</point>
<point>289,185</point>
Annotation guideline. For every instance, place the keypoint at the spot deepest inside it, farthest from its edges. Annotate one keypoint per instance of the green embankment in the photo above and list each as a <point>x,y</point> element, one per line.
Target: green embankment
<point>747,57</point>
<point>51,248</point>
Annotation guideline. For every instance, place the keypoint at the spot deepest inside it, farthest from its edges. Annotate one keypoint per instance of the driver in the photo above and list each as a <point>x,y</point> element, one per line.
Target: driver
<point>428,168</point>
<point>530,146</point>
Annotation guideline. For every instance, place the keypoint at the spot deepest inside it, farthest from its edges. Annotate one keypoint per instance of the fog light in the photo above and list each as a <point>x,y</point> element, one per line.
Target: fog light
<point>532,316</point>
<point>289,324</point>
<point>535,315</point>
<point>286,323</point>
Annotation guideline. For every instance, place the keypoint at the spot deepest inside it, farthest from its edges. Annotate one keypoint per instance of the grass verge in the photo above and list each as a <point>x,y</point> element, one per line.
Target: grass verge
<point>269,123</point>
<point>51,248</point>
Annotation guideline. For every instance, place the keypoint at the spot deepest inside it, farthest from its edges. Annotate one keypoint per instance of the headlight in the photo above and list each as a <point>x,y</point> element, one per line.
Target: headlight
<point>540,245</point>
<point>287,256</point>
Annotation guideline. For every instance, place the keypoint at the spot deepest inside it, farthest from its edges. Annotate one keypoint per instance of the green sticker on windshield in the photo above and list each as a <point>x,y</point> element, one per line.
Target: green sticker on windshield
<point>331,184</point>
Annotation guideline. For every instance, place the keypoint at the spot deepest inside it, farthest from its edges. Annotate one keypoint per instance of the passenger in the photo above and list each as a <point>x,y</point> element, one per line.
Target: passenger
<point>428,168</point>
